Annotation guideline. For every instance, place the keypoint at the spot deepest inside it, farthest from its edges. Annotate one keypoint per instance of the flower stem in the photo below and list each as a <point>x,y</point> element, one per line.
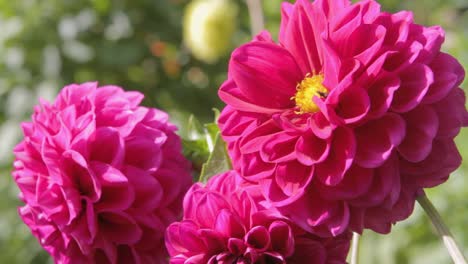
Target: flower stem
<point>256,16</point>
<point>355,249</point>
<point>442,230</point>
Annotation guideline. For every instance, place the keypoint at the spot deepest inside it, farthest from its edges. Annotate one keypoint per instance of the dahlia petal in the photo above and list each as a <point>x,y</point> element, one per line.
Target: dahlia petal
<point>340,157</point>
<point>254,168</point>
<point>357,181</point>
<point>293,178</point>
<point>452,113</point>
<point>229,224</point>
<point>258,238</point>
<point>278,148</point>
<point>431,39</point>
<point>286,10</point>
<point>282,238</point>
<point>233,96</point>
<point>306,249</point>
<point>397,26</point>
<point>302,37</point>
<point>116,193</point>
<point>137,147</point>
<point>261,79</point>
<point>415,82</point>
<point>320,126</point>
<point>422,126</point>
<point>84,229</point>
<point>311,149</point>
<point>182,237</point>
<point>258,136</point>
<point>383,180</point>
<point>148,191</point>
<point>264,36</point>
<point>207,208</point>
<point>435,169</point>
<point>330,7</point>
<point>233,124</point>
<point>351,104</point>
<point>448,74</point>
<point>377,139</point>
<point>77,172</point>
<point>289,121</point>
<point>107,146</point>
<point>381,96</point>
<point>236,246</point>
<point>119,227</point>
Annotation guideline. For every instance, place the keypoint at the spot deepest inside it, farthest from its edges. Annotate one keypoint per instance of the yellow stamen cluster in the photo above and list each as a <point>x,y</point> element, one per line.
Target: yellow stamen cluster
<point>307,89</point>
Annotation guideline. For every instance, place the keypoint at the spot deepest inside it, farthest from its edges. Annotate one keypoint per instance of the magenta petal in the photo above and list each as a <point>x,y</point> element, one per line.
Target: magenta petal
<point>377,139</point>
<point>183,238</point>
<point>351,104</point>
<point>208,207</point>
<point>415,82</point>
<point>340,157</point>
<point>282,239</point>
<point>356,182</point>
<point>448,74</point>
<point>116,194</point>
<point>233,96</point>
<point>148,191</point>
<point>286,10</point>
<point>311,149</point>
<point>265,73</point>
<point>229,224</point>
<point>278,148</point>
<point>381,96</point>
<point>293,178</point>
<point>452,113</point>
<point>302,36</point>
<point>383,180</point>
<point>422,126</point>
<point>258,238</point>
<point>435,169</point>
<point>119,227</point>
<point>254,168</point>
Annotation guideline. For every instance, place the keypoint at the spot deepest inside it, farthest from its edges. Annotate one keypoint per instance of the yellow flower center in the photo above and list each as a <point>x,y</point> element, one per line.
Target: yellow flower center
<point>306,90</point>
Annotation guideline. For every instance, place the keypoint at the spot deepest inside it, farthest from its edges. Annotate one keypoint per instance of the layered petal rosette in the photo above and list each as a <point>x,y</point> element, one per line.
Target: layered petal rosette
<point>348,118</point>
<point>101,176</point>
<point>228,222</point>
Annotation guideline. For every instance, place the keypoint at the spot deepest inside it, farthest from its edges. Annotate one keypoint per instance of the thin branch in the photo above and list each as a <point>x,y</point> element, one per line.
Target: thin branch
<point>442,230</point>
<point>256,16</point>
<point>355,249</point>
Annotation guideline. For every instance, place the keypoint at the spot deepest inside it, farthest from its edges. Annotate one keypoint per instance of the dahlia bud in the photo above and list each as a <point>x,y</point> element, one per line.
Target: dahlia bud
<point>208,28</point>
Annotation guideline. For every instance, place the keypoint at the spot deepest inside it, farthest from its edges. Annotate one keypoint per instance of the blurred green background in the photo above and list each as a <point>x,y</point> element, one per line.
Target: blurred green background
<point>139,44</point>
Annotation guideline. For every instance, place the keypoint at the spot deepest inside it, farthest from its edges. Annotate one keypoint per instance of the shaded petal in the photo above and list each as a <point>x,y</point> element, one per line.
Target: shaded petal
<point>422,126</point>
<point>377,139</point>
<point>415,82</point>
<point>340,157</point>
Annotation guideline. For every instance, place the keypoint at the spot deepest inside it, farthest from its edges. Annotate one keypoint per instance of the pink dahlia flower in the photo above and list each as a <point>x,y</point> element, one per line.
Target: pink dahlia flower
<point>101,176</point>
<point>227,222</point>
<point>348,118</point>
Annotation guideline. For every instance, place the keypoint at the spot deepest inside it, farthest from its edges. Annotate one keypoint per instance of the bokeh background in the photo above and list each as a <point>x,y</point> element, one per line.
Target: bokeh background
<point>140,45</point>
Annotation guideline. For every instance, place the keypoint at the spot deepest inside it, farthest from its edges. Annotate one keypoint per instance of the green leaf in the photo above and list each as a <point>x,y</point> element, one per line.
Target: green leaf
<point>194,128</point>
<point>196,151</point>
<point>218,161</point>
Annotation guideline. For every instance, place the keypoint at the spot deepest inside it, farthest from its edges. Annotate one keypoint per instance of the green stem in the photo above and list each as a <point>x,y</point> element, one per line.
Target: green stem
<point>256,16</point>
<point>355,249</point>
<point>442,230</point>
